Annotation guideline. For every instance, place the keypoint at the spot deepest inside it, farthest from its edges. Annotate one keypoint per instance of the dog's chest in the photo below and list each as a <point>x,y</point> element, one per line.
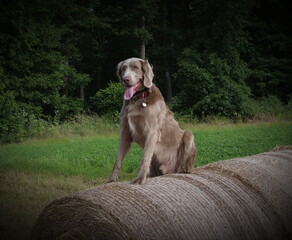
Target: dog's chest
<point>138,122</point>
<point>138,125</point>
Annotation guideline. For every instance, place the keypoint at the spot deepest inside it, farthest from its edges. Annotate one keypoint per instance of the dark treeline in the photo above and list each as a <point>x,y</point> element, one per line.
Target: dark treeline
<point>211,57</point>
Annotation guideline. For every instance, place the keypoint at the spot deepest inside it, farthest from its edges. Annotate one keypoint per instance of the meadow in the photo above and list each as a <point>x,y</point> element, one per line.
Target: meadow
<point>68,158</point>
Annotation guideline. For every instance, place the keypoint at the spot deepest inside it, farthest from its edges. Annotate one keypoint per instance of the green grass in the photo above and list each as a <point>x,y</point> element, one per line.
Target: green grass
<point>93,158</point>
<point>225,142</point>
<point>38,170</point>
<point>88,158</point>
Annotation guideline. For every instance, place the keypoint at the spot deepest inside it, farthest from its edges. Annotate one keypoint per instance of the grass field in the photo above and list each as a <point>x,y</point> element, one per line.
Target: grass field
<point>36,171</point>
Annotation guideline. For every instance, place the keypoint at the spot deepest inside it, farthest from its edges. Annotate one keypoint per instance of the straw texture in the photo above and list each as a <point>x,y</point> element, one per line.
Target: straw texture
<point>242,198</point>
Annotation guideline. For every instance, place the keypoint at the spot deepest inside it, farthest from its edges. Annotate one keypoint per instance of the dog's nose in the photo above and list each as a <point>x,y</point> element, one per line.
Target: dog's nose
<point>127,79</point>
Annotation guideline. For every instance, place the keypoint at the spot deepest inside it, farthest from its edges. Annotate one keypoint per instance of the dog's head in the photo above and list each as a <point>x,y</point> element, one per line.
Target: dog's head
<point>134,74</point>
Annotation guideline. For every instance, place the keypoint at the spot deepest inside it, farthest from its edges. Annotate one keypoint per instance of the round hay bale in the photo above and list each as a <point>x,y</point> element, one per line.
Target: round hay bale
<point>242,198</point>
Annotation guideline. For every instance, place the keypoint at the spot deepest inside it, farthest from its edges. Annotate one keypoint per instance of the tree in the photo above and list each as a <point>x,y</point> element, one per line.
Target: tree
<point>207,87</point>
<point>270,61</point>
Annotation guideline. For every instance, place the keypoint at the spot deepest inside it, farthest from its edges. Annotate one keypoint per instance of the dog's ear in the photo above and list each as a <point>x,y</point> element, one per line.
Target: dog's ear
<point>119,71</point>
<point>147,74</point>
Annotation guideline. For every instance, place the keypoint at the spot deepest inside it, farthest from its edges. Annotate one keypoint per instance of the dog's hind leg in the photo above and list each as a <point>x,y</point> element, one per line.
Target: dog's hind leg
<point>186,153</point>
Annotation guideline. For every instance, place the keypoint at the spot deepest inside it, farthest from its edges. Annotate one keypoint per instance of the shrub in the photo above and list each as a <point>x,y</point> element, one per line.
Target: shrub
<point>17,120</point>
<point>269,107</point>
<point>208,86</point>
<point>67,107</point>
<point>11,119</point>
<point>108,101</point>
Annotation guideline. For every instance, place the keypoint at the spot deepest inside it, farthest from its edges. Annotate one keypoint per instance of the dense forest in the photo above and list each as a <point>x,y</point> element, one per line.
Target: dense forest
<point>58,58</point>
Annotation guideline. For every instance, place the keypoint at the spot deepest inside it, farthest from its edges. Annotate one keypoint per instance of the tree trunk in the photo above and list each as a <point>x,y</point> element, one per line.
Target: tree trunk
<point>142,48</point>
<point>98,85</point>
<point>168,87</point>
<point>65,90</point>
<point>142,51</point>
<point>167,74</point>
<point>81,92</point>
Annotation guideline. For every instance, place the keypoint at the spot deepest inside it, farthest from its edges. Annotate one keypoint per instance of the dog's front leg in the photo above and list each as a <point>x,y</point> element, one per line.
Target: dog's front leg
<point>149,148</point>
<point>124,146</point>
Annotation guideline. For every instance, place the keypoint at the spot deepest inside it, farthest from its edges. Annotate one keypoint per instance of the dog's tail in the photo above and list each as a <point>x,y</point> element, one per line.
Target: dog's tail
<point>186,153</point>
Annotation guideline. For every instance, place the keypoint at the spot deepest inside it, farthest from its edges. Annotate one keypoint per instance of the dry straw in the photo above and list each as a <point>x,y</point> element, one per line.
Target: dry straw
<point>242,198</point>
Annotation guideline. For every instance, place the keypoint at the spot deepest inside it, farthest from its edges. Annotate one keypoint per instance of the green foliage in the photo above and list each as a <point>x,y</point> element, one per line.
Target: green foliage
<point>17,121</point>
<point>67,108</point>
<point>108,101</point>
<point>11,119</point>
<point>39,68</point>
<point>270,59</point>
<point>269,107</point>
<point>55,52</point>
<point>208,86</point>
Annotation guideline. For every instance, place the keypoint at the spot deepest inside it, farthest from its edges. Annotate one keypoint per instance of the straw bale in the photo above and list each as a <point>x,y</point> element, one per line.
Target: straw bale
<point>242,198</point>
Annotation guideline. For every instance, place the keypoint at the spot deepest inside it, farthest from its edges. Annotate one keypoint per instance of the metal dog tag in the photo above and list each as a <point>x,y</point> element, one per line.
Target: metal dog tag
<point>144,104</point>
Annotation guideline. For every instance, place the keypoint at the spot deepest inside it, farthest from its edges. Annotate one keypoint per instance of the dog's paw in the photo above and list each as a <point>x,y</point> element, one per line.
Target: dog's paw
<point>138,180</point>
<point>110,180</point>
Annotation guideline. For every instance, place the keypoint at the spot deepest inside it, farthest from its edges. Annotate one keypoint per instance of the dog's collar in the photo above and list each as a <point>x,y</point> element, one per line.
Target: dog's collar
<point>142,94</point>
